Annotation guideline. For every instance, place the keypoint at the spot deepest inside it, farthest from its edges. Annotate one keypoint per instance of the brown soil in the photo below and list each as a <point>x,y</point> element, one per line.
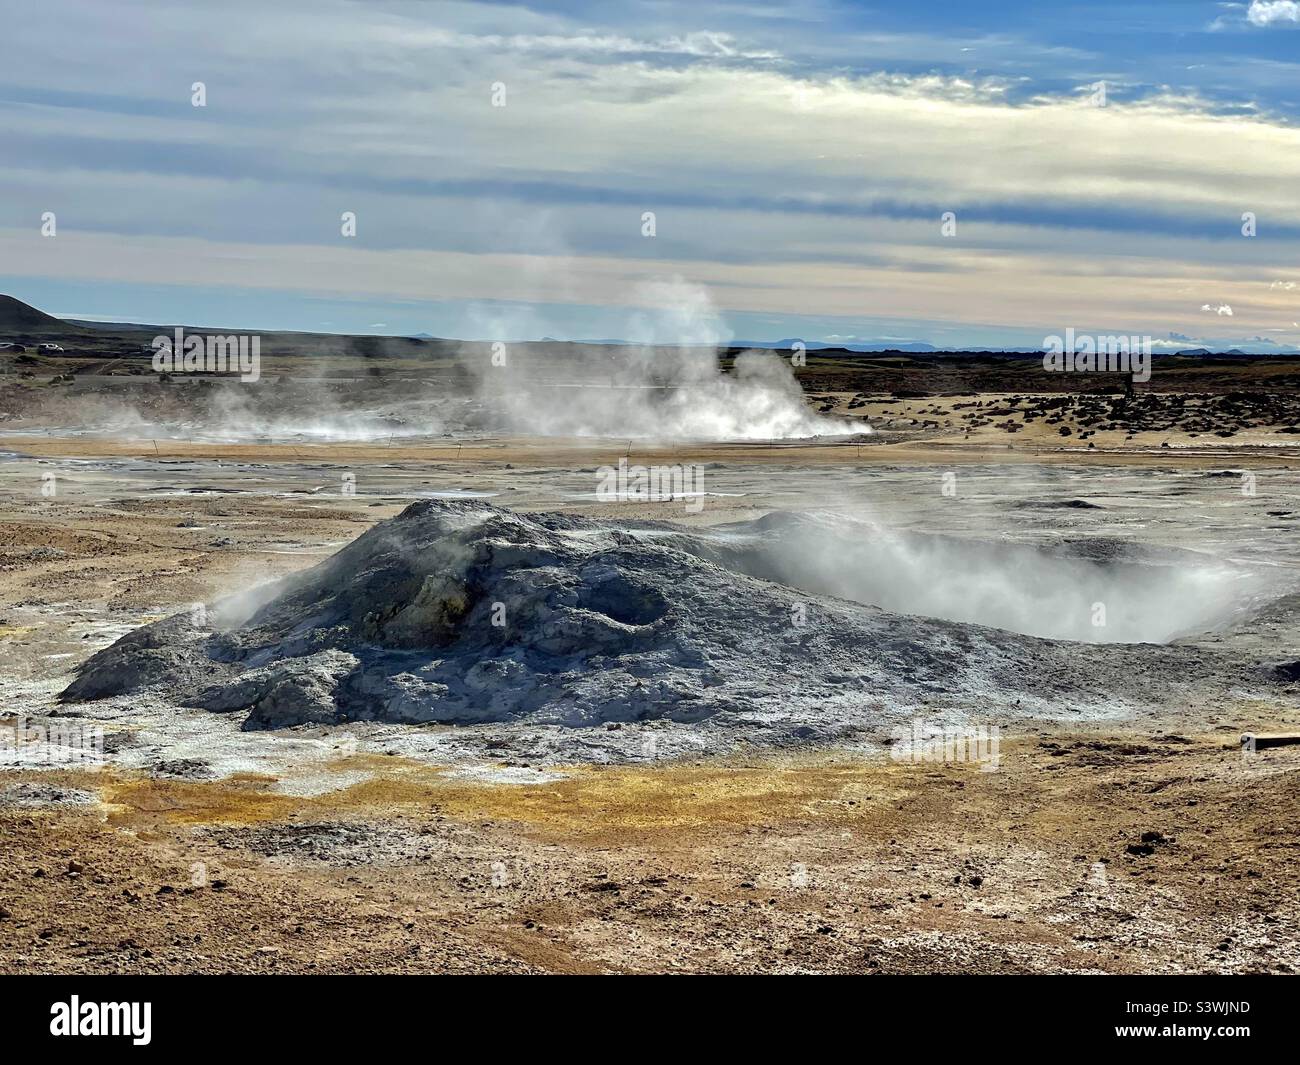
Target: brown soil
<point>815,863</point>
<point>818,864</point>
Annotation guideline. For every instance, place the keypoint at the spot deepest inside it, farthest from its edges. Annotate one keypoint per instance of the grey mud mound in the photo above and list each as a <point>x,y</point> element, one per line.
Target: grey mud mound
<point>459,612</point>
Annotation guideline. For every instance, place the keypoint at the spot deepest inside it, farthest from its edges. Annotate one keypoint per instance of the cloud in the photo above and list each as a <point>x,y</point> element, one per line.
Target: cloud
<point>786,173</point>
<point>996,287</point>
<point>1221,309</point>
<point>1260,13</point>
<point>710,44</point>
<point>1273,12</point>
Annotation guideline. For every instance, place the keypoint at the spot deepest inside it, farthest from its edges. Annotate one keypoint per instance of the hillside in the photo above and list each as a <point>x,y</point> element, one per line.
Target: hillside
<point>19,317</point>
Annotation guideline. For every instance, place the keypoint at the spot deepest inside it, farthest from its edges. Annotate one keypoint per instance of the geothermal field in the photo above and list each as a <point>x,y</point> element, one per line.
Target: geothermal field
<point>408,655</point>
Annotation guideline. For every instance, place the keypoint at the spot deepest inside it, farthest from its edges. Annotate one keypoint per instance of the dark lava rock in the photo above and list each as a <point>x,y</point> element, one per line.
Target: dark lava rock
<point>1059,504</point>
<point>1287,672</point>
<point>184,769</point>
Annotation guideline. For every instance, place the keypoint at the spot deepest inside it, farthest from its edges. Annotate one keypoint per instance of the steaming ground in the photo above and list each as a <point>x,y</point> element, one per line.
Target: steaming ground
<point>461,613</point>
<point>730,840</point>
<point>632,394</point>
<point>687,748</point>
<point>667,395</point>
<point>992,619</point>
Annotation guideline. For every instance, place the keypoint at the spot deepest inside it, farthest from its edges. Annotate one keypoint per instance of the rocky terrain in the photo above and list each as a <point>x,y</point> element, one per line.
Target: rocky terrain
<point>339,388</point>
<point>458,612</point>
<point>1081,416</point>
<point>689,744</point>
<point>1089,851</point>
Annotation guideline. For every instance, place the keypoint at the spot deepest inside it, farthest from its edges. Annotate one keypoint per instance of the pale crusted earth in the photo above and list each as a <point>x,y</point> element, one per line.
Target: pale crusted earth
<point>588,827</point>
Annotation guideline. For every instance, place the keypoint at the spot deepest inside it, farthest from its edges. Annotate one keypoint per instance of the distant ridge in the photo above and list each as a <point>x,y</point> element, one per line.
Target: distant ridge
<point>19,317</point>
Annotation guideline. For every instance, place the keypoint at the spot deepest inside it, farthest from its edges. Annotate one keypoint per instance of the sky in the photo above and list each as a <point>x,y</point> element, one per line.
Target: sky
<point>660,170</point>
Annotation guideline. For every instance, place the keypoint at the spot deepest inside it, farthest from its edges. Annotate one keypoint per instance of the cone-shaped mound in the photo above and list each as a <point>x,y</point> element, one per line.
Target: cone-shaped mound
<point>460,612</point>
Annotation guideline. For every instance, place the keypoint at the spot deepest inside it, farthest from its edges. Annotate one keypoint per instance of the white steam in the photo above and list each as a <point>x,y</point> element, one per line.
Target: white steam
<point>666,384</point>
<point>1038,592</point>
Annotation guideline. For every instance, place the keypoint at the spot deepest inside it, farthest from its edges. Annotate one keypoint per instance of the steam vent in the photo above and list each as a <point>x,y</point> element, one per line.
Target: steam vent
<point>459,612</point>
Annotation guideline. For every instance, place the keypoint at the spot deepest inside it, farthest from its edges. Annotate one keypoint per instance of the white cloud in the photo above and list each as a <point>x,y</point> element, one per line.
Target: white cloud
<point>1221,309</point>
<point>1119,293</point>
<point>699,44</point>
<point>313,115</point>
<point>1273,12</point>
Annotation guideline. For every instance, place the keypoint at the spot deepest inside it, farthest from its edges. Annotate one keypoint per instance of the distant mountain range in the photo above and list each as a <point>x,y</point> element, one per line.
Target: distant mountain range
<point>1160,346</point>
<point>17,317</point>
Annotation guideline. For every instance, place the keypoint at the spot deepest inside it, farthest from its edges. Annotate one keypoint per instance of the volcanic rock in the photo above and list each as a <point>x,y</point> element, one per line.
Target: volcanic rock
<point>455,611</point>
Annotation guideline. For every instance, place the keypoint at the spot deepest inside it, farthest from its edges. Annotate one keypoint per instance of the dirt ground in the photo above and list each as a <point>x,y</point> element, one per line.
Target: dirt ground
<point>1085,852</point>
<point>1122,848</point>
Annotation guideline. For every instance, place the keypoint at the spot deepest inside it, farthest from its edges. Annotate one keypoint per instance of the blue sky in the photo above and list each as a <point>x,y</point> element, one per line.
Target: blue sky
<point>797,159</point>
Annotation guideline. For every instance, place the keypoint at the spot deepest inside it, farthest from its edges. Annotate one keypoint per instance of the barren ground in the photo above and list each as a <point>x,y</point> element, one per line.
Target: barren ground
<point>802,861</point>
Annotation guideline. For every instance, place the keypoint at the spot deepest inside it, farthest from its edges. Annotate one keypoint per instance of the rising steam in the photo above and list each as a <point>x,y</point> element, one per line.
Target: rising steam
<point>667,384</point>
<point>1115,596</point>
